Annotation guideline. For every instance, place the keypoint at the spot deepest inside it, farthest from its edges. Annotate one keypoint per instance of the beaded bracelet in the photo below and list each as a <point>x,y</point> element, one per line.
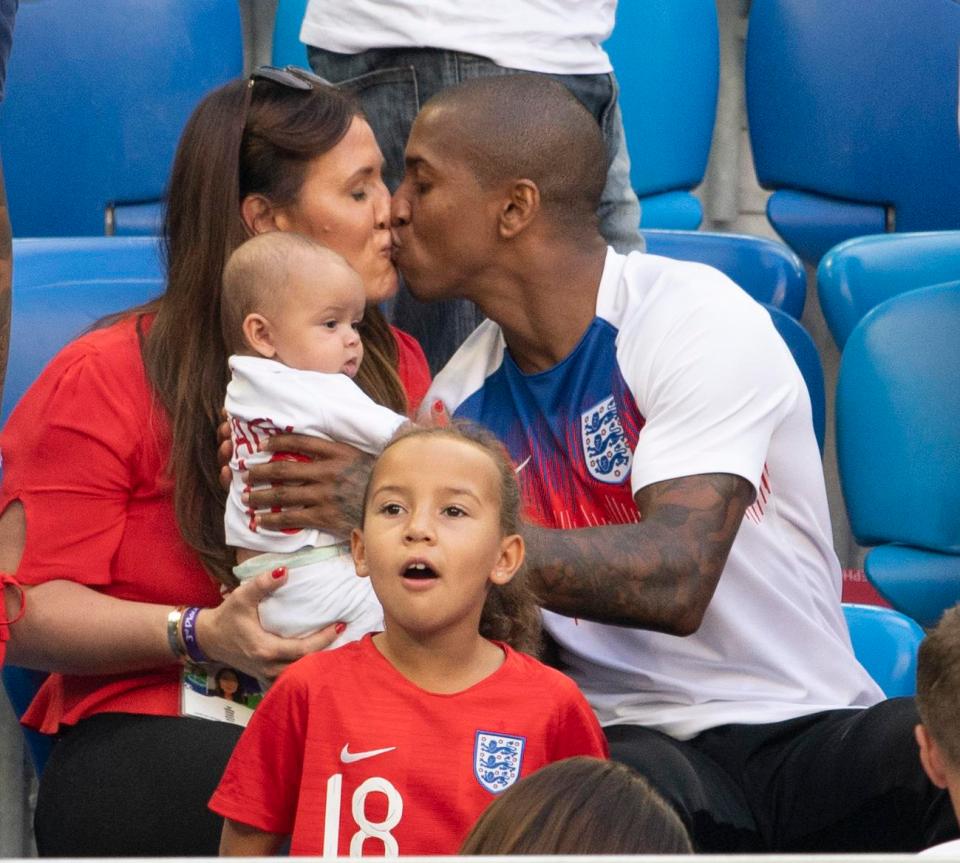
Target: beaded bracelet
<point>188,633</point>
<point>177,647</point>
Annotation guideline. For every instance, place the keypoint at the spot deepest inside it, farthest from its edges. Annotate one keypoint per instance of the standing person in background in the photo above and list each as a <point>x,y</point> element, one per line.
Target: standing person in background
<point>8,11</point>
<point>397,55</point>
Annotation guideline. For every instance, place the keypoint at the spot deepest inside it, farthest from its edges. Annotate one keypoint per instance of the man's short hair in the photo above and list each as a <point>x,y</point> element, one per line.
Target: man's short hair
<point>938,684</point>
<point>530,126</point>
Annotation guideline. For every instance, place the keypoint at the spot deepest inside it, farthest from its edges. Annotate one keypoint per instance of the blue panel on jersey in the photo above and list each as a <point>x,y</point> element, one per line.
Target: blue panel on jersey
<point>571,431</point>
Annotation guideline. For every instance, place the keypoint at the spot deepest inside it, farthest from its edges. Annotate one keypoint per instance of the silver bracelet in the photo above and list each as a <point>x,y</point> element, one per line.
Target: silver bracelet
<point>174,639</point>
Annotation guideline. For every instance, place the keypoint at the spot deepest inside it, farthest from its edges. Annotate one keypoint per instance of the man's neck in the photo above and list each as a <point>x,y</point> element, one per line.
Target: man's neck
<point>546,303</point>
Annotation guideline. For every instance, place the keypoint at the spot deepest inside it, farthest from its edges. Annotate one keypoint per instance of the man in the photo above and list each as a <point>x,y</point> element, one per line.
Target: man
<point>664,443</point>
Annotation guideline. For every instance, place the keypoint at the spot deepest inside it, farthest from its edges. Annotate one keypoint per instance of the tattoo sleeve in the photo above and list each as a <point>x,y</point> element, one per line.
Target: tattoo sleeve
<point>657,574</point>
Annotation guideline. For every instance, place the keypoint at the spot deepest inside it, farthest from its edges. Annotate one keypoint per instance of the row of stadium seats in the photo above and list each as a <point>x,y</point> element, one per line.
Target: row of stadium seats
<point>852,117</point>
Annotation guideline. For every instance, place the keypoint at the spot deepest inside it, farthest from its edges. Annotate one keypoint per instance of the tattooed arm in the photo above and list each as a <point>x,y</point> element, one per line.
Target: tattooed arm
<point>659,574</point>
<point>6,277</point>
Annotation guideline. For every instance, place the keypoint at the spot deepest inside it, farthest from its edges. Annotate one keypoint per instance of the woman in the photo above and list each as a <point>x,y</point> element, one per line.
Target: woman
<point>112,509</point>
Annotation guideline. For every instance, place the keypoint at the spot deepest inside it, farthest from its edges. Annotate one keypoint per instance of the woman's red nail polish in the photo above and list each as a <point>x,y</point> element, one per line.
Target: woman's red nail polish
<point>438,406</point>
<point>279,572</point>
<point>339,628</point>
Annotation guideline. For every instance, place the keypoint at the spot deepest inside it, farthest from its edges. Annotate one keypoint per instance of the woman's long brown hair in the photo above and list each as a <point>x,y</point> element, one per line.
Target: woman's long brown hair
<point>240,140</point>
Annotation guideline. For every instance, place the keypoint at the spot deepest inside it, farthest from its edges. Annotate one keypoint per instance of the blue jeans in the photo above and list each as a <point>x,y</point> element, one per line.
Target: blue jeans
<point>393,83</point>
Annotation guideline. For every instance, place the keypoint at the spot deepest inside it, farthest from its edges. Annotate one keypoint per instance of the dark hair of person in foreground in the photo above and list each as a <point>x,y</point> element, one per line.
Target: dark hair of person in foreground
<point>579,806</point>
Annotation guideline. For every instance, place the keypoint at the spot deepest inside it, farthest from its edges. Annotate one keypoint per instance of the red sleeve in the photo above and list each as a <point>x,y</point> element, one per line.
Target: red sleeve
<point>578,733</point>
<point>67,448</point>
<point>261,784</point>
<point>412,368</point>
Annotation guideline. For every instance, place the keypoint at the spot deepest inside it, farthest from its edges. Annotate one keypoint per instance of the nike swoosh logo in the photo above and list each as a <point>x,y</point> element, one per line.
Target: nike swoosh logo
<point>348,757</point>
<point>522,465</point>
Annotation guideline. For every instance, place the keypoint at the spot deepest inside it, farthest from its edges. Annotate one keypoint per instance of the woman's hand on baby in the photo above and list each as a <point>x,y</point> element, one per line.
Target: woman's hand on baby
<point>324,492</point>
<point>231,633</point>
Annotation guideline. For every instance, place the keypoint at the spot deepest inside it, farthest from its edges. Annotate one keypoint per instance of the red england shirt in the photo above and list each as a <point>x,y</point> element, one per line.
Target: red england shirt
<point>350,758</point>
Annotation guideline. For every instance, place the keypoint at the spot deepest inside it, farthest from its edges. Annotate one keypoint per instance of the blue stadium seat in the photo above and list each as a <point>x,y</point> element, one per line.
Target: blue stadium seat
<point>807,358</point>
<point>853,117</point>
<point>60,288</point>
<point>97,95</point>
<point>288,50</point>
<point>885,643</point>
<point>898,447</point>
<point>63,285</point>
<point>859,274</point>
<point>765,269</point>
<point>666,56</point>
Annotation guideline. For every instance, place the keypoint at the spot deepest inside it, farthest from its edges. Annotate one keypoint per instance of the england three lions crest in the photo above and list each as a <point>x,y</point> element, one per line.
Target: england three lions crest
<point>605,448</point>
<point>497,759</point>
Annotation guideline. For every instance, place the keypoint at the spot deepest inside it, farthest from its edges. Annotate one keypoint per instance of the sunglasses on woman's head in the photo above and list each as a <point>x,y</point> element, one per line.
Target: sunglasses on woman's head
<point>289,76</point>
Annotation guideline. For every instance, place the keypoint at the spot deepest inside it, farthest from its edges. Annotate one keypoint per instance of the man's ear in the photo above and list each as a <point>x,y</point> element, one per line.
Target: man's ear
<point>359,552</point>
<point>519,209</point>
<point>510,560</point>
<point>258,335</point>
<point>258,215</point>
<point>931,757</point>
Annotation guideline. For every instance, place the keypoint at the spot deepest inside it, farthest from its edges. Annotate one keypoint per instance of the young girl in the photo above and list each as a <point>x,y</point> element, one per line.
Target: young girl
<point>290,309</point>
<point>395,744</point>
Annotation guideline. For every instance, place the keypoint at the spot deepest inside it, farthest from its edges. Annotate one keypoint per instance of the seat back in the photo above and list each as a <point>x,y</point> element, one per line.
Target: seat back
<point>853,117</point>
<point>288,50</point>
<point>861,273</point>
<point>885,643</point>
<point>97,95</point>
<point>898,421</point>
<point>61,286</point>
<point>765,269</point>
<point>807,358</point>
<point>666,57</point>
<point>898,447</point>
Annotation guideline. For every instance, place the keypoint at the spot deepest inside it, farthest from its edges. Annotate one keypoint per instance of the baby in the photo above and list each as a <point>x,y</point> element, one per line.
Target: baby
<point>290,310</point>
